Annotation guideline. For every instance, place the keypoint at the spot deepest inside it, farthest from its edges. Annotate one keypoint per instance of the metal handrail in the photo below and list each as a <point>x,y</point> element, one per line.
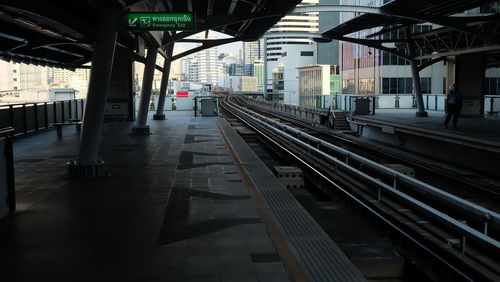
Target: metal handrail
<point>484,214</point>
<point>37,103</point>
<point>6,131</point>
<point>32,116</point>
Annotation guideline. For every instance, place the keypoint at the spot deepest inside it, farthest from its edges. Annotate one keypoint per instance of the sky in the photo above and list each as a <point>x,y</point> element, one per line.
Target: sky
<point>231,47</point>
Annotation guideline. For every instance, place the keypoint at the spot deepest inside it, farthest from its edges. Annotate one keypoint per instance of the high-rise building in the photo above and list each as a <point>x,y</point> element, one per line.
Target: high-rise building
<point>366,70</point>
<point>208,64</point>
<point>232,66</point>
<point>258,72</point>
<point>286,53</point>
<point>193,72</point>
<point>175,66</point>
<point>253,51</point>
<point>328,53</point>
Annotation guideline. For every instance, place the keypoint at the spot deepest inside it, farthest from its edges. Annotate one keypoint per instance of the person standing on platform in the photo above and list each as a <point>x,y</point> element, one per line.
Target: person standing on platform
<point>454,105</point>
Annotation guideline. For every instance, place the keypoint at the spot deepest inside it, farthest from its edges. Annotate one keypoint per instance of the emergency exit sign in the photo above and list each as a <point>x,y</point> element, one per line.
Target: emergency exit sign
<point>160,21</point>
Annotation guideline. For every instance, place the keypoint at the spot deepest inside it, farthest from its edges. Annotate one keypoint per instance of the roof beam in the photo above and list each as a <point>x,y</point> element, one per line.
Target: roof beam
<point>205,45</point>
<point>455,23</point>
<point>481,49</point>
<point>430,62</point>
<point>210,8</point>
<point>219,21</point>
<point>337,8</point>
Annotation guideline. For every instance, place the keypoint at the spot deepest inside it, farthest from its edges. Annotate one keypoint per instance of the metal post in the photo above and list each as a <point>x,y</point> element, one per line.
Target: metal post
<point>35,108</point>
<point>63,116</point>
<point>88,164</point>
<point>11,115</point>
<point>54,109</point>
<point>416,77</point>
<point>140,127</point>
<point>25,116</point>
<point>46,115</point>
<point>82,108</point>
<point>264,69</point>
<point>164,84</point>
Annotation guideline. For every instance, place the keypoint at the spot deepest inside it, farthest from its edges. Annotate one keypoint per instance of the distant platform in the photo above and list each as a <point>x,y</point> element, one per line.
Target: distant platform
<point>474,144</point>
<point>478,130</point>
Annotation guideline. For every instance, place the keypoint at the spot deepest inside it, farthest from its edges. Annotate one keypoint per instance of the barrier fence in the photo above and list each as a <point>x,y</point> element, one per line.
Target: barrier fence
<point>7,184</point>
<point>25,118</point>
<point>433,102</point>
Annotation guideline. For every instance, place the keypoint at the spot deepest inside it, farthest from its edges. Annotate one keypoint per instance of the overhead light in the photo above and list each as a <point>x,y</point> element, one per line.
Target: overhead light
<point>70,39</point>
<point>51,32</point>
<point>26,22</point>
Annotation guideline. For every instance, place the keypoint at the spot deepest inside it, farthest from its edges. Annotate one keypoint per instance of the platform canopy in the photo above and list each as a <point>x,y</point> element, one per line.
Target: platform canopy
<point>453,33</point>
<point>62,33</point>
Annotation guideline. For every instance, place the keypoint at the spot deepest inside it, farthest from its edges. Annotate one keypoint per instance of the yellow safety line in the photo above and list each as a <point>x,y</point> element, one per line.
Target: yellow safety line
<point>276,235</point>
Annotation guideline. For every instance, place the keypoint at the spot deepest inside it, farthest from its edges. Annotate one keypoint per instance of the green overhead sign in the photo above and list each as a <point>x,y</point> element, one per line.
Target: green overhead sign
<point>160,21</point>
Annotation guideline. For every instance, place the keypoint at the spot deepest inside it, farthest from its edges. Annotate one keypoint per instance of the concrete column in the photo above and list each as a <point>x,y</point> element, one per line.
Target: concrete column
<point>164,84</point>
<point>87,163</point>
<point>469,76</point>
<point>140,127</point>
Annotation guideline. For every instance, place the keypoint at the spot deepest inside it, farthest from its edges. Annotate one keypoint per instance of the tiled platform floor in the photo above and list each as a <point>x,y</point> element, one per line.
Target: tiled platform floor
<point>121,228</point>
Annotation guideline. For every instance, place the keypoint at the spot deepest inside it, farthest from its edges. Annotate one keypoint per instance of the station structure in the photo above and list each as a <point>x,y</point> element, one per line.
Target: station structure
<point>147,198</point>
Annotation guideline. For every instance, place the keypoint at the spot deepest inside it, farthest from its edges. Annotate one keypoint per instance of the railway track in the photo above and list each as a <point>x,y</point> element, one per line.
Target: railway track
<point>429,217</point>
<point>476,188</point>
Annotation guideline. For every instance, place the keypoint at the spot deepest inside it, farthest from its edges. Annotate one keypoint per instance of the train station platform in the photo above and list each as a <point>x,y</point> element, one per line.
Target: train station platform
<point>478,130</point>
<point>473,144</point>
<point>191,202</point>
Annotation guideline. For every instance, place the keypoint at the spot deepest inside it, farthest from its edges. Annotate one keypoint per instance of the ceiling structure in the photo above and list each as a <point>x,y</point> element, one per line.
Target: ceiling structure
<point>62,33</point>
<point>453,33</point>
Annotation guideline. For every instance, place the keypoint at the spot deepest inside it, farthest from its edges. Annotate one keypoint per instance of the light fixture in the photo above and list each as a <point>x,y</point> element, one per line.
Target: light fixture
<point>70,39</point>
<point>51,32</point>
<point>26,22</point>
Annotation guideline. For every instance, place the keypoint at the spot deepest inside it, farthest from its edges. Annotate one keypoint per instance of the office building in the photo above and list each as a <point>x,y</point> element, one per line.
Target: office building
<point>366,70</point>
<point>318,85</point>
<point>287,53</point>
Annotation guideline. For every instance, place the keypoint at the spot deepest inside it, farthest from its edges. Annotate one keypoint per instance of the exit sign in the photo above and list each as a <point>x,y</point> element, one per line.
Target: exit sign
<point>160,21</point>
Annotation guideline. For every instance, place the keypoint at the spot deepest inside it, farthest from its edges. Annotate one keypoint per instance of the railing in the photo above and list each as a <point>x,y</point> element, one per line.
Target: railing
<point>7,184</point>
<point>179,103</point>
<point>314,115</point>
<point>433,102</point>
<point>340,159</point>
<point>30,117</point>
<point>491,105</point>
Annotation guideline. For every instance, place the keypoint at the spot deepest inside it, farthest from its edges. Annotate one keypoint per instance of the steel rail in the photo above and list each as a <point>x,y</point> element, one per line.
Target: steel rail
<point>456,224</point>
<point>483,214</point>
<point>357,200</point>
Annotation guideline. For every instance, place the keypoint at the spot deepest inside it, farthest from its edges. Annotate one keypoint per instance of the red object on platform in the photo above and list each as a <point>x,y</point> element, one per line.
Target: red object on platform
<point>182,94</point>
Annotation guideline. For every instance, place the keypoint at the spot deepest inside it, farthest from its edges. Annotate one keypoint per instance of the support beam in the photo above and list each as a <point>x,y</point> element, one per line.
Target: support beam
<point>205,45</point>
<point>140,128</point>
<point>457,23</point>
<point>430,62</point>
<point>416,77</point>
<point>264,70</point>
<point>87,163</point>
<point>164,84</point>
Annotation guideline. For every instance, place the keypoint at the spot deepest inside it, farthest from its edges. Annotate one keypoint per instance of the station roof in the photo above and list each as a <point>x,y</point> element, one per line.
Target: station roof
<point>62,34</point>
<point>443,39</point>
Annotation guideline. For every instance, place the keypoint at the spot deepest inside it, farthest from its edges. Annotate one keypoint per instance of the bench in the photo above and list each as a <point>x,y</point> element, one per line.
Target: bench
<point>359,128</point>
<point>59,126</point>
